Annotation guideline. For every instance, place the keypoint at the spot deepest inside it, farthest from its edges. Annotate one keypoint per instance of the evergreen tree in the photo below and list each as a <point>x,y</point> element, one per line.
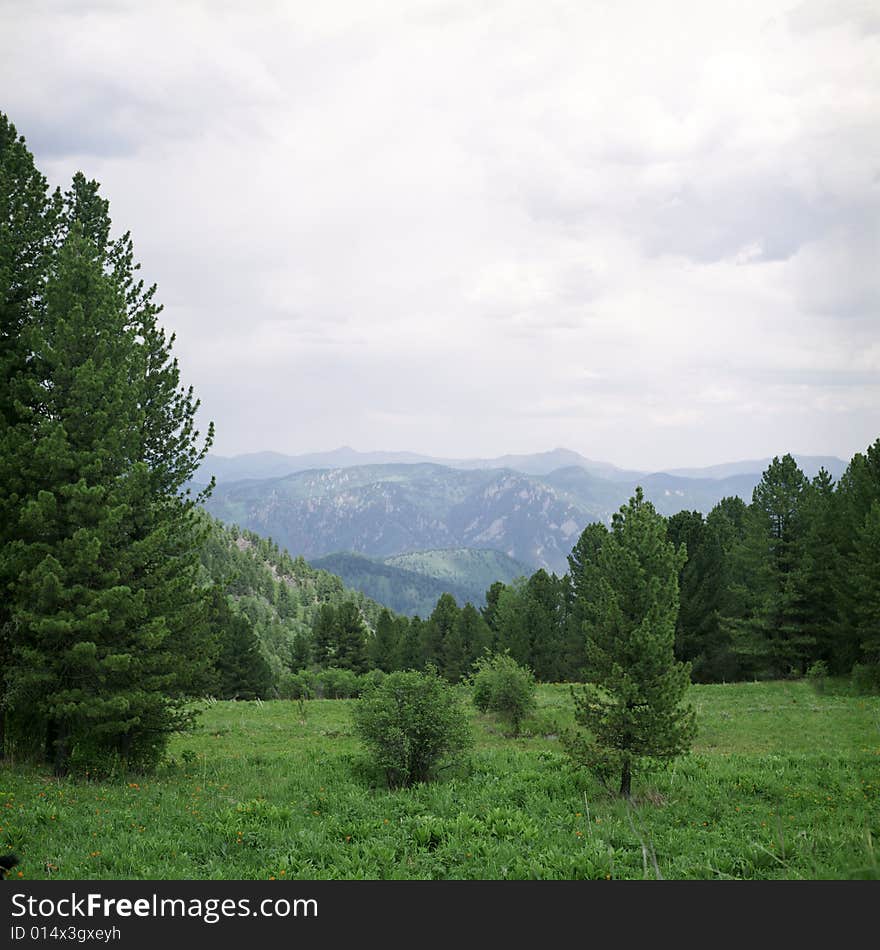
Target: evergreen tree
<point>865,567</point>
<point>301,652</point>
<point>106,633</point>
<point>385,646</point>
<point>856,492</point>
<point>489,612</point>
<point>411,645</point>
<point>351,639</point>
<point>91,657</point>
<point>702,639</point>
<point>771,631</point>
<point>474,633</point>
<point>242,670</point>
<point>28,216</point>
<point>324,636</point>
<point>583,585</point>
<point>512,631</point>
<point>545,623</point>
<point>815,580</point>
<point>455,653</point>
<point>633,708</point>
<point>438,628</point>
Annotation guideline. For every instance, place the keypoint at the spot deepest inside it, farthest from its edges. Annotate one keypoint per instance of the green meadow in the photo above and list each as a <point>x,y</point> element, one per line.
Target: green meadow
<point>783,782</point>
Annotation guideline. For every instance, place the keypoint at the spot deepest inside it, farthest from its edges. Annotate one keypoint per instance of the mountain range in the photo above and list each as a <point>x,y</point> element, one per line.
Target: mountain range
<point>531,508</point>
<point>277,465</point>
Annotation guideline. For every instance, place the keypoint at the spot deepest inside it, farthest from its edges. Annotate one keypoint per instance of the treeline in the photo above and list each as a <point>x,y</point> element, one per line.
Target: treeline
<point>786,584</point>
<point>776,588</point>
<point>265,606</point>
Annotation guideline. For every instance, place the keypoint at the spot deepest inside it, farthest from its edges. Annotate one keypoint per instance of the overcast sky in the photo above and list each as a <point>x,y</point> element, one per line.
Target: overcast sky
<point>648,232</point>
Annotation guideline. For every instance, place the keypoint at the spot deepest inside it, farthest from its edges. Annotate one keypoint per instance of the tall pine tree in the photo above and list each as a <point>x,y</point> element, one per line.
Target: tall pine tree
<point>107,622</point>
<point>633,708</point>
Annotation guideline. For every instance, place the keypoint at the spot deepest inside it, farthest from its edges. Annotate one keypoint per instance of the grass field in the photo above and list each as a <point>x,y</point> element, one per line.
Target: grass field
<point>782,783</point>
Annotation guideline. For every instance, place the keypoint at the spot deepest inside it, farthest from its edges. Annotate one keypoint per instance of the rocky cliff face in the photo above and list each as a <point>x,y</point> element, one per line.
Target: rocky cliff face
<point>384,510</point>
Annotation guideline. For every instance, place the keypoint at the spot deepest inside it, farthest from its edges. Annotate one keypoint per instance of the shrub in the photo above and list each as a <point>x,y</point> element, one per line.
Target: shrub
<point>412,724</point>
<point>866,677</point>
<point>371,679</point>
<point>337,683</point>
<point>502,686</point>
<point>817,674</point>
<point>299,685</point>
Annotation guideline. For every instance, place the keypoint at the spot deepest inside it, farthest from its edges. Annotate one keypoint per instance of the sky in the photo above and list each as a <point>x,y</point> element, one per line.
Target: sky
<point>648,232</point>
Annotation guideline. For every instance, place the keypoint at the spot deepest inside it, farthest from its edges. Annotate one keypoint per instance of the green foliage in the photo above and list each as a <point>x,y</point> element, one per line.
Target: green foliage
<point>781,784</point>
<point>292,607</point>
<point>105,639</point>
<point>337,683</point>
<point>412,724</point>
<point>633,708</point>
<point>384,648</point>
<point>242,670</point>
<point>817,675</point>
<point>502,686</point>
<point>769,629</point>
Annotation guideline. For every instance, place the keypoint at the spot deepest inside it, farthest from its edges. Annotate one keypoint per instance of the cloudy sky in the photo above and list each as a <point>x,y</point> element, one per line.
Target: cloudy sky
<point>649,232</point>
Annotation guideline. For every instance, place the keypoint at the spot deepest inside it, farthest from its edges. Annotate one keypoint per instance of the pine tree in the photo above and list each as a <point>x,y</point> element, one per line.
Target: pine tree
<point>512,632</point>
<point>815,577</point>
<point>633,707</point>
<point>82,631</point>
<point>242,670</point>
<point>865,568</point>
<point>385,646</point>
<point>437,629</point>
<point>324,636</point>
<point>772,630</point>
<point>411,645</point>
<point>101,550</point>
<point>351,639</point>
<point>489,612</point>
<point>546,625</point>
<point>583,585</point>
<point>28,216</point>
<point>474,632</point>
<point>856,492</point>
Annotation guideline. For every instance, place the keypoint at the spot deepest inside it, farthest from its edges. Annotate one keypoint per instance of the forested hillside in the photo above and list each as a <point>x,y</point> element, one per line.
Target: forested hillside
<point>279,596</point>
<point>785,585</point>
<point>411,583</point>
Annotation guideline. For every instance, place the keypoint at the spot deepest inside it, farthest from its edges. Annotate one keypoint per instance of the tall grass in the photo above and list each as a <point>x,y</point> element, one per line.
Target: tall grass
<point>782,783</point>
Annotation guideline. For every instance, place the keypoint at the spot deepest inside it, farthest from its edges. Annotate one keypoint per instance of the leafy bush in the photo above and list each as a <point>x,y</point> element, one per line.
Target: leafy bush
<point>335,683</point>
<point>412,724</point>
<point>817,674</point>
<point>502,686</point>
<point>370,679</point>
<point>301,685</point>
<point>866,677</point>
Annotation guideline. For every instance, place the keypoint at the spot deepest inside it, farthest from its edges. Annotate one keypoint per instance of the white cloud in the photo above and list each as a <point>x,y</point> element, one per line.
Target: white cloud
<point>646,231</point>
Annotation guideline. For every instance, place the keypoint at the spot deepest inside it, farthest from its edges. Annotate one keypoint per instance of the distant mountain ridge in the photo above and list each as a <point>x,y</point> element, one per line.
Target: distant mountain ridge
<point>384,510</point>
<point>259,465</point>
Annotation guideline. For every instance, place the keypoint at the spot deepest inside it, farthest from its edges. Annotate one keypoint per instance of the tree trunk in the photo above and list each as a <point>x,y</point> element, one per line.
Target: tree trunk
<point>626,780</point>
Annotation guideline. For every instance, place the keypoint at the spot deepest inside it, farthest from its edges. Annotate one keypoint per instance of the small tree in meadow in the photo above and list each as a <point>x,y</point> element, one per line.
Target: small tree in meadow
<point>502,686</point>
<point>633,708</point>
<point>412,724</point>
